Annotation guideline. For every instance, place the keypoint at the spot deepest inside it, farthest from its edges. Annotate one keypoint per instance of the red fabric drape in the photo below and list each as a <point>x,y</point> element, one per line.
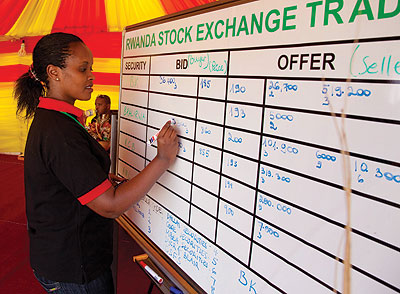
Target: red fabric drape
<point>102,78</point>
<point>77,16</point>
<point>102,45</point>
<point>10,10</point>
<point>11,73</point>
<point>106,45</point>
<point>15,45</point>
<point>172,6</point>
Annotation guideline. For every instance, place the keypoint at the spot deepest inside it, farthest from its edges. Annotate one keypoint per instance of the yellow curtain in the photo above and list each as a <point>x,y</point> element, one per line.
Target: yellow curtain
<point>107,65</point>
<point>13,58</point>
<point>13,130</point>
<point>36,19</point>
<point>121,13</point>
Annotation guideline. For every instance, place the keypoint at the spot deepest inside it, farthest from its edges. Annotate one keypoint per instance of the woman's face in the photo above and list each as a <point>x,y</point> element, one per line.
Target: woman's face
<point>76,80</point>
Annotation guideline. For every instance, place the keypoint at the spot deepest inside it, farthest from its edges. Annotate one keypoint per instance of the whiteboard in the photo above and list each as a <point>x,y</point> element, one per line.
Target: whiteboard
<point>261,91</point>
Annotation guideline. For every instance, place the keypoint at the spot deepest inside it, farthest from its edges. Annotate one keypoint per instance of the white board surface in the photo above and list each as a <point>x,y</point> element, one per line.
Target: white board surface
<point>260,92</point>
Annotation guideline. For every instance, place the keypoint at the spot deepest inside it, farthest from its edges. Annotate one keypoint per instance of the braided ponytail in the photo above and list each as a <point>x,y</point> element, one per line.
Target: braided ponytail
<point>27,91</point>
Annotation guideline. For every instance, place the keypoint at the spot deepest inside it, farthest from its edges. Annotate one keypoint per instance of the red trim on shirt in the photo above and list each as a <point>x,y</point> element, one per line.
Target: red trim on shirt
<point>53,104</point>
<point>58,105</point>
<point>95,192</point>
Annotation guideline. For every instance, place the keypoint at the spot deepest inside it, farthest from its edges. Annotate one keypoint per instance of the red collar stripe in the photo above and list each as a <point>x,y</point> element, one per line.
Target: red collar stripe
<point>53,104</point>
<point>95,192</point>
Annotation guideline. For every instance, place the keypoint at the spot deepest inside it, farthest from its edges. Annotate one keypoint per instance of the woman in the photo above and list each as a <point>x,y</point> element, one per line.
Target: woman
<point>70,201</point>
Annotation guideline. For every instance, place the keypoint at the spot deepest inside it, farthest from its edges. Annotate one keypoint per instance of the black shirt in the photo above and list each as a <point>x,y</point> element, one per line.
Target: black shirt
<point>65,168</point>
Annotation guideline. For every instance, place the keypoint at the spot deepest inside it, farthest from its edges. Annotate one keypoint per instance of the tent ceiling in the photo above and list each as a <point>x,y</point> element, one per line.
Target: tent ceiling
<point>24,18</point>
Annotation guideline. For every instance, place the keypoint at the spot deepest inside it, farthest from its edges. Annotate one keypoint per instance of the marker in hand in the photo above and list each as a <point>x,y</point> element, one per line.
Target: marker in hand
<point>154,138</point>
<point>151,272</point>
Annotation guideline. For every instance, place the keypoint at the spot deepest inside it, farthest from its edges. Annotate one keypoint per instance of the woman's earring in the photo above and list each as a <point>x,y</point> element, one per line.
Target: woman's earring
<point>57,79</point>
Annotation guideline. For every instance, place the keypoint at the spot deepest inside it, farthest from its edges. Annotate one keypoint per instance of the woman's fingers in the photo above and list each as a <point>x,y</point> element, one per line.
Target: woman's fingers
<point>167,146</point>
<point>167,132</point>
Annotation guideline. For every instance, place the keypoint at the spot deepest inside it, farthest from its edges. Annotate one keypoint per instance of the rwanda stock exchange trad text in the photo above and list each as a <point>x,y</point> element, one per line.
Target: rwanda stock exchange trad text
<point>318,14</point>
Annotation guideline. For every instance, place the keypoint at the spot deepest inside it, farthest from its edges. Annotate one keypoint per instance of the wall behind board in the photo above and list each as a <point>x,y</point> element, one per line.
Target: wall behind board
<point>279,105</point>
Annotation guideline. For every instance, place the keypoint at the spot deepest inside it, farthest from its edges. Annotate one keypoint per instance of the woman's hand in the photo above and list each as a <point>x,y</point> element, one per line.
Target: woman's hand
<point>167,144</point>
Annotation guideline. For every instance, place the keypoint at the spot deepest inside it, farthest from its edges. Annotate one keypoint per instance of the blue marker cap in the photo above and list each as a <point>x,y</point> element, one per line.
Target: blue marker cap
<point>174,290</point>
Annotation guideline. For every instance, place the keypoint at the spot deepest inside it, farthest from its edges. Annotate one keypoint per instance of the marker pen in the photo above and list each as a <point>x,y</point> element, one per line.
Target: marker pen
<point>151,272</point>
<point>154,138</point>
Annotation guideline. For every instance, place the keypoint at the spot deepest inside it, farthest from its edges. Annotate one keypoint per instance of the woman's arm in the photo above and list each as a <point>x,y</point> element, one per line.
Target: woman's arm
<point>114,202</point>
